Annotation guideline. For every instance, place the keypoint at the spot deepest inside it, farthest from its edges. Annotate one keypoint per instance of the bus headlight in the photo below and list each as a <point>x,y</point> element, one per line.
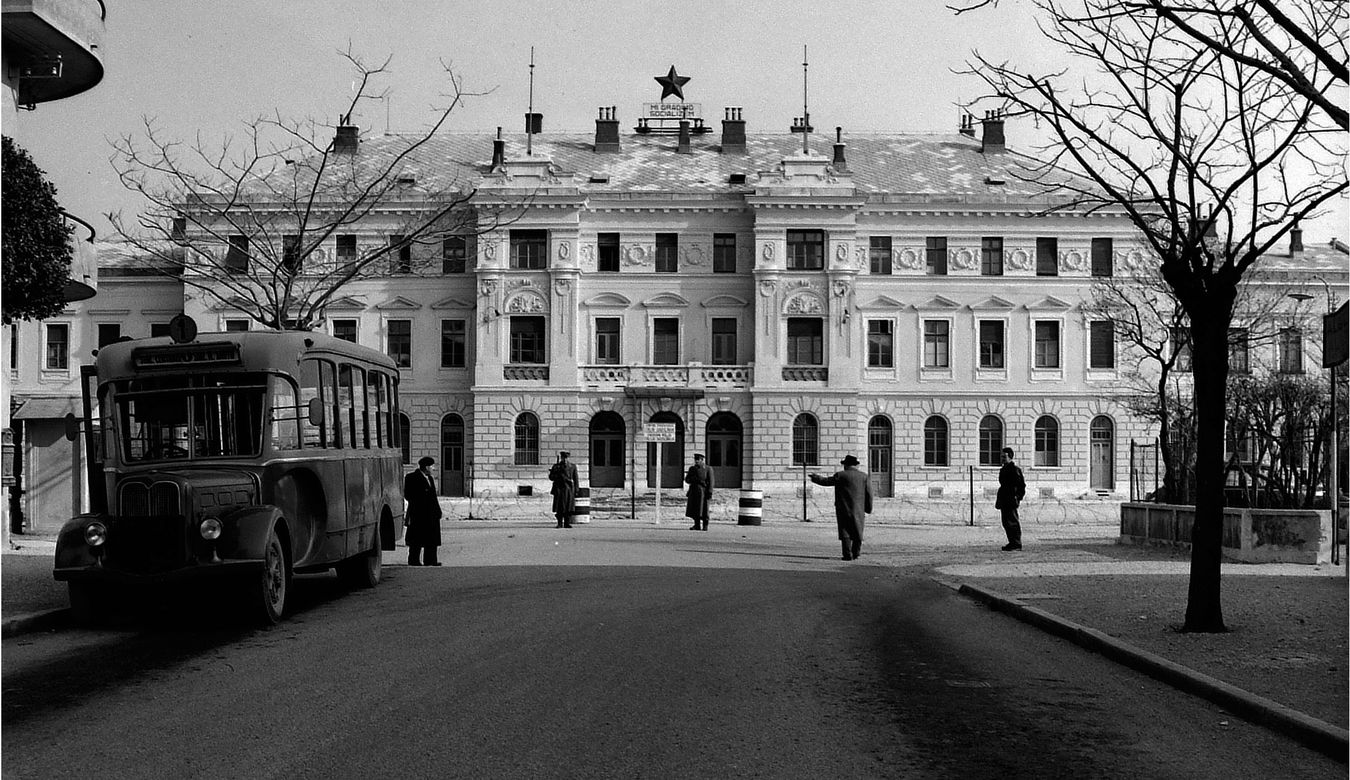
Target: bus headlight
<point>210,529</point>
<point>95,534</point>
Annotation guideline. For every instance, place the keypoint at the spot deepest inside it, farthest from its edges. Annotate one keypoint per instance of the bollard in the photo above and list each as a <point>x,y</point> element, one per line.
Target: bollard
<point>581,512</point>
<point>752,507</point>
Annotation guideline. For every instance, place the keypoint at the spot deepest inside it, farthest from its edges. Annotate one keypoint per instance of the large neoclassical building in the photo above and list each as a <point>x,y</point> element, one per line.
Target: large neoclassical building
<point>781,299</point>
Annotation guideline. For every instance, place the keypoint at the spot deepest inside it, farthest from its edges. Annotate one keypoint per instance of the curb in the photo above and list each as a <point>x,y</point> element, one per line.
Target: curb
<point>33,621</point>
<point>1317,734</point>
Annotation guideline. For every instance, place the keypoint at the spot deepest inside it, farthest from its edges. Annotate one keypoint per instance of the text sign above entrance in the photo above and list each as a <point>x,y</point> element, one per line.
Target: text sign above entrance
<point>658,431</point>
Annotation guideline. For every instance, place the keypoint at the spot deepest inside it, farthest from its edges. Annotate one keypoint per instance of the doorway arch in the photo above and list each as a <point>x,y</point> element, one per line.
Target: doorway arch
<point>607,445</point>
<point>1101,453</point>
<point>452,455</point>
<point>725,444</point>
<point>672,454</point>
<point>881,455</point>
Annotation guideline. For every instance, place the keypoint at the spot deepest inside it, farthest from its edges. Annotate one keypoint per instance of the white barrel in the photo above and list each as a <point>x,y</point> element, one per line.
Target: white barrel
<point>581,512</point>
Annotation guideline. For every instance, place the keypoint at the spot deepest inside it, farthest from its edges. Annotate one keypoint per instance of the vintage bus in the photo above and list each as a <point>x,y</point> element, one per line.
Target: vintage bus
<point>249,455</point>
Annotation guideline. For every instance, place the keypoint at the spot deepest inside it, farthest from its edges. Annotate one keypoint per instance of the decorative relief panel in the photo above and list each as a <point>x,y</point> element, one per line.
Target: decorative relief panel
<point>1136,261</point>
<point>1071,260</point>
<point>908,259</point>
<point>526,302</point>
<point>695,255</point>
<point>636,254</point>
<point>1018,259</point>
<point>963,259</point>
<point>803,303</point>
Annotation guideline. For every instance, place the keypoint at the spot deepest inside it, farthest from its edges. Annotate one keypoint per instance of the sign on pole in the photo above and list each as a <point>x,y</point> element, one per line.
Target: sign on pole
<point>658,433</point>
<point>1335,337</point>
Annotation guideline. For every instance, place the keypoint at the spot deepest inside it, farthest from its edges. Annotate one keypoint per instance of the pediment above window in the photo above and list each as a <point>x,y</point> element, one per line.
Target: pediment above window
<point>939,302</point>
<point>1051,303</point>
<point>452,303</point>
<point>665,301</point>
<point>611,300</point>
<point>397,303</point>
<point>993,302</point>
<point>346,303</point>
<point>725,302</point>
<point>883,302</point>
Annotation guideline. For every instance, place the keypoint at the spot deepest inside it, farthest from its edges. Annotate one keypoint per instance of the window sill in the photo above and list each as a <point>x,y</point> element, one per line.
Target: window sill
<point>991,375</point>
<point>1103,375</point>
<point>935,375</point>
<point>1047,375</point>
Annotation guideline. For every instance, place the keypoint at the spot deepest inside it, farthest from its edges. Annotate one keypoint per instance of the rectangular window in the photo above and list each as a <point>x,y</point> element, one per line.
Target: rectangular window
<point>1181,349</point>
<point>454,254</point>
<point>454,343</point>
<point>14,345</point>
<point>527,340</point>
<point>1291,351</point>
<point>159,329</point>
<point>400,342</point>
<point>1238,359</point>
<point>345,330</point>
<point>805,250</point>
<point>665,341</point>
<point>1102,257</point>
<point>880,343</point>
<point>290,253</point>
<point>991,344</point>
<point>724,341</point>
<point>529,249</point>
<point>805,341</point>
<point>724,253</point>
<point>1047,257</point>
<point>935,252</point>
<point>58,346</point>
<point>607,341</point>
<point>667,253</point>
<point>936,348</point>
<point>400,255</point>
<point>345,254</point>
<point>236,257</point>
<point>879,254</point>
<point>1101,344</point>
<point>607,248</point>
<point>236,326</point>
<point>1047,345</point>
<point>108,332</point>
<point>991,256</point>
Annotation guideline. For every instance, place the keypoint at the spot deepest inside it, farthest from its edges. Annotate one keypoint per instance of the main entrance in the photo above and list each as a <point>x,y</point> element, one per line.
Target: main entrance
<point>724,450</point>
<point>672,454</point>
<point>452,455</point>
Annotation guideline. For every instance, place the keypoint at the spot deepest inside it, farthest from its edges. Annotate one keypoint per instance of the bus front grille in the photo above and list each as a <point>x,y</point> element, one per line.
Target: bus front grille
<point>138,499</point>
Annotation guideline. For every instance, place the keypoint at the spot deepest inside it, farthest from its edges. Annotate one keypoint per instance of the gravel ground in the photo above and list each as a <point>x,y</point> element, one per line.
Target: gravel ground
<point>1287,637</point>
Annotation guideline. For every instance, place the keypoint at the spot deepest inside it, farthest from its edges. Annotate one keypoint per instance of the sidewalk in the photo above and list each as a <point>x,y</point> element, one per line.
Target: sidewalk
<point>1283,662</point>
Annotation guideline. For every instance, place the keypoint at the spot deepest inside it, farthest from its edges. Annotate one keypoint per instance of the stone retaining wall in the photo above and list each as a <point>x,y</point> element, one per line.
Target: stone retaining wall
<point>1249,535</point>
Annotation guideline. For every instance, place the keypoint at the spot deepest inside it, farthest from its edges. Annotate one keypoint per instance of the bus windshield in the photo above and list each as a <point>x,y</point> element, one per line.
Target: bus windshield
<point>201,416</point>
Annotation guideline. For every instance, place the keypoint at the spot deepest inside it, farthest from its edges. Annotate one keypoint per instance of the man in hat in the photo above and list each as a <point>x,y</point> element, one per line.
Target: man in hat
<point>852,502</point>
<point>699,478</point>
<point>423,516</point>
<point>563,475</point>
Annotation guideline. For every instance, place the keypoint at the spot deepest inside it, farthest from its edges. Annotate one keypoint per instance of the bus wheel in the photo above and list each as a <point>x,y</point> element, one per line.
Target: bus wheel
<point>362,571</point>
<point>267,597</point>
<point>87,605</point>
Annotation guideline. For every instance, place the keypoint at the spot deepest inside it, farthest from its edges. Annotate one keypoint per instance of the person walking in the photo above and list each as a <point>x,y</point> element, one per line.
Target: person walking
<point>423,517</point>
<point>563,475</point>
<point>852,502</point>
<point>699,478</point>
<point>1011,488</point>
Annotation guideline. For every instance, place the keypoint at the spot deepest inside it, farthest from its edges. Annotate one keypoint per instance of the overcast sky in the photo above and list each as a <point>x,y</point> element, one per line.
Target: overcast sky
<point>210,66</point>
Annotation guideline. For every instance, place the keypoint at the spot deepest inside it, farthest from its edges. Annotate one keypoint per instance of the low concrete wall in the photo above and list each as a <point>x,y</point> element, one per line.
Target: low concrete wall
<point>1249,535</point>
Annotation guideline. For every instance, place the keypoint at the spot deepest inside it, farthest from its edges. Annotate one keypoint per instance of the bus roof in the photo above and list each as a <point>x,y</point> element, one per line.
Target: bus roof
<point>235,350</point>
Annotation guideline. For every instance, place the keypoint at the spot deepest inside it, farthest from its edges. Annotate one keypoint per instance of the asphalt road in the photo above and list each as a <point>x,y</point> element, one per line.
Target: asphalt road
<point>667,655</point>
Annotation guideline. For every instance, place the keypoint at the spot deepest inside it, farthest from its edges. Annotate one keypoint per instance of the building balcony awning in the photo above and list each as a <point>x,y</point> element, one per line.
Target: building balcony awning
<point>46,409</point>
<point>656,391</point>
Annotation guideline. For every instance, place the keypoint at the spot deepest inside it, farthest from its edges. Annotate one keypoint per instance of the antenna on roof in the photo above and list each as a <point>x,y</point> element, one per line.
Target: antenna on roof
<point>529,117</point>
<point>806,113</point>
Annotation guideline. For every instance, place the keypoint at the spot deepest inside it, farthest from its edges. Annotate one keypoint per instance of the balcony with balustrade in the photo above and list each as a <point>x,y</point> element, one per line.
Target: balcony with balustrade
<point>691,376</point>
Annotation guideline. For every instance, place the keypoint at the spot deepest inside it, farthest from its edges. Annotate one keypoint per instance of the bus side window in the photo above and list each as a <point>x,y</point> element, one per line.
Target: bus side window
<point>362,419</point>
<point>346,405</point>
<point>375,409</point>
<point>332,411</point>
<point>286,416</point>
<point>312,434</point>
<point>396,431</point>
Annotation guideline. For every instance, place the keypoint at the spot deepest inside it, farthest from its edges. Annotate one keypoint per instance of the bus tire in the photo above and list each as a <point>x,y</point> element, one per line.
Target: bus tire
<point>362,571</point>
<point>87,605</point>
<point>268,589</point>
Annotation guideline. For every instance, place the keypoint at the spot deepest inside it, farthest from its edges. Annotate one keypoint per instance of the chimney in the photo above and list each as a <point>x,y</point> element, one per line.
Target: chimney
<point>733,131</point>
<point>1295,239</point>
<point>968,125</point>
<point>840,164</point>
<point>991,139</point>
<point>607,130</point>
<point>684,147</point>
<point>498,151</point>
<point>348,138</point>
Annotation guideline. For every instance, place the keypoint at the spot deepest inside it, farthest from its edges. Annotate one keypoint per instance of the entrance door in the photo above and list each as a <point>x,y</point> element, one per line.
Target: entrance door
<point>1101,458</point>
<point>724,450</point>
<point>880,455</point>
<point>607,444</point>
<point>672,454</point>
<point>452,455</point>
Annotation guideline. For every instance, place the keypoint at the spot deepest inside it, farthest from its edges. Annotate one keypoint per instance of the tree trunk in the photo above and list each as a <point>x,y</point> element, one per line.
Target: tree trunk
<point>1209,337</point>
<point>1170,493</point>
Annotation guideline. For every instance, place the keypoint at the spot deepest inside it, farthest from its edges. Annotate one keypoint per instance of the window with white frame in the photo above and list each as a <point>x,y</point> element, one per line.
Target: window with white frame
<point>667,253</point>
<point>529,249</point>
<point>1047,441</point>
<point>236,326</point>
<point>58,346</point>
<point>1291,351</point>
<point>527,340</point>
<point>1101,344</point>
<point>991,256</point>
<point>935,441</point>
<point>991,440</point>
<point>665,341</point>
<point>936,344</point>
<point>454,343</point>
<point>527,439</point>
<point>935,255</point>
<point>1046,344</point>
<point>805,440</point>
<point>805,250</point>
<point>992,348</point>
<point>724,253</point>
<point>805,341</point>
<point>345,329</point>
<point>879,254</point>
<point>1047,256</point>
<point>398,342</point>
<point>880,343</point>
<point>724,339</point>
<point>1239,361</point>
<point>607,341</point>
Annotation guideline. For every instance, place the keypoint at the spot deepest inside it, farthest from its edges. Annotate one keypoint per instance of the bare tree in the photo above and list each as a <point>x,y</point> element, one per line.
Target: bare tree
<point>249,221</point>
<point>1186,142</point>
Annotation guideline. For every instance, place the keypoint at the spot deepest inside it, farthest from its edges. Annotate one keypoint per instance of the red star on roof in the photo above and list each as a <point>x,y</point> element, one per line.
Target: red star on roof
<point>672,84</point>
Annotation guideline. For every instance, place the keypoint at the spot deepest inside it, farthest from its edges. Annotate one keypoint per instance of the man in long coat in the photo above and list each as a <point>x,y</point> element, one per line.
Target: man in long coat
<point>699,478</point>
<point>563,475</point>
<point>1012,487</point>
<point>423,515</point>
<point>852,502</point>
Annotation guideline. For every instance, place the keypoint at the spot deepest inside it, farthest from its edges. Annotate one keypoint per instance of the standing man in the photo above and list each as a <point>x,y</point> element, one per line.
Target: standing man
<point>699,478</point>
<point>423,516</point>
<point>563,475</point>
<point>852,502</point>
<point>1011,488</point>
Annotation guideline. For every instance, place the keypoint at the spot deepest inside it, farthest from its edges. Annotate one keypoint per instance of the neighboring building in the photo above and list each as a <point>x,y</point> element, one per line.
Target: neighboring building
<point>50,51</point>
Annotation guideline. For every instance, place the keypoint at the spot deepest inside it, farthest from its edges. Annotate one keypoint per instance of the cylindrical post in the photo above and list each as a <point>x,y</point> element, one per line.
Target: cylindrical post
<point>1333,486</point>
<point>805,519</point>
<point>971,471</point>
<point>752,508</point>
<point>581,509</point>
<point>658,482</point>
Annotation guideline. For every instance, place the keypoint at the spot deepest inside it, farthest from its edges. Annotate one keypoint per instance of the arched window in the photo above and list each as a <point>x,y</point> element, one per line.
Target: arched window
<point>805,441</point>
<point>991,440</point>
<point>405,437</point>
<point>527,439</point>
<point>935,439</point>
<point>1047,441</point>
